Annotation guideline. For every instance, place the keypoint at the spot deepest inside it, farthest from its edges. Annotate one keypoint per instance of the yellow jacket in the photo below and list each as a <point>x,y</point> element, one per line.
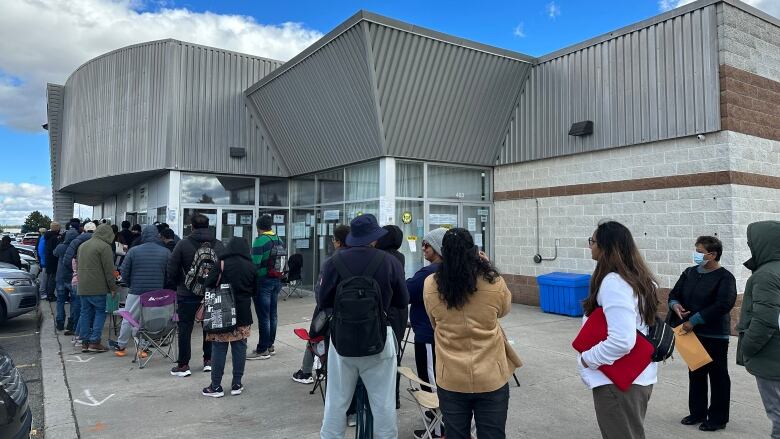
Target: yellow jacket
<point>470,348</point>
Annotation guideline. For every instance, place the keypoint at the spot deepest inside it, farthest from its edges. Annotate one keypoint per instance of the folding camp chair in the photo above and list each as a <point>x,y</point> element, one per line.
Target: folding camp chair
<point>319,348</point>
<point>426,401</point>
<point>292,276</point>
<point>156,327</point>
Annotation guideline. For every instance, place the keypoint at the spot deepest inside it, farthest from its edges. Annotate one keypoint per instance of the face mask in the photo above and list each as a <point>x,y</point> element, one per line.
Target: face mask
<point>698,258</point>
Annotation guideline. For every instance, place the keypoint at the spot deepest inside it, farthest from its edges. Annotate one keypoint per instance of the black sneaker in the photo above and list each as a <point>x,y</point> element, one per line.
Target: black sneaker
<point>303,378</point>
<point>181,371</point>
<point>236,389</point>
<point>420,434</point>
<point>217,392</point>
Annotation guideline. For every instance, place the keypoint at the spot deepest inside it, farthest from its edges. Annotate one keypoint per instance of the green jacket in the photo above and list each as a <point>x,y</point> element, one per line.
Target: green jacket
<point>96,263</point>
<point>759,336</point>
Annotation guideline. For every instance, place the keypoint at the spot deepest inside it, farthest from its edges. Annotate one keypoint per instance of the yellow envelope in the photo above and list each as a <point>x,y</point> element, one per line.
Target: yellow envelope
<point>691,349</point>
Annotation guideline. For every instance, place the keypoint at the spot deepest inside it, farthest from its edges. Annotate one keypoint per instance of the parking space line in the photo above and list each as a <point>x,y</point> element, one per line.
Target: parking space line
<point>18,336</point>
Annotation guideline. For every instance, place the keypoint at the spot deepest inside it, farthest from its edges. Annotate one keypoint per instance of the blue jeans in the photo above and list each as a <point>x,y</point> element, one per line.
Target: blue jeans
<point>265,306</point>
<point>219,356</point>
<point>93,316</point>
<point>64,292</point>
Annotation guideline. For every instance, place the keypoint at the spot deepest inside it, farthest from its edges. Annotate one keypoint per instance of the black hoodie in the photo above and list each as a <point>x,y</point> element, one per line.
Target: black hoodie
<point>241,274</point>
<point>181,258</point>
<point>9,254</point>
<point>391,242</point>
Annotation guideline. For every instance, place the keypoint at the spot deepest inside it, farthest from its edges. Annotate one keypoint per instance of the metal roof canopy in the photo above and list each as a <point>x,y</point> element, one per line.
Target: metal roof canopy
<point>377,87</point>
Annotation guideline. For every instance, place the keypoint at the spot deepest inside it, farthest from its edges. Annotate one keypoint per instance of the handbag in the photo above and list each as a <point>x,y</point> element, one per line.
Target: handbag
<point>219,307</point>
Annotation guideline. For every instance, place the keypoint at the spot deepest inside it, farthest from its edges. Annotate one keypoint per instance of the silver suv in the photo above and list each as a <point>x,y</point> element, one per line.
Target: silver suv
<point>18,292</point>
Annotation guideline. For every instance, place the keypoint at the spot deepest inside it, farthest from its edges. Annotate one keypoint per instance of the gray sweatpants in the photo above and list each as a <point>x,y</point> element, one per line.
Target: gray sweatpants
<point>770,395</point>
<point>621,415</point>
<point>378,373</point>
<point>133,306</point>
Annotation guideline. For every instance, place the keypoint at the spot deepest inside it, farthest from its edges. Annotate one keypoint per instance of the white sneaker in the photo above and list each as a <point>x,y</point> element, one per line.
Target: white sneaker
<point>236,389</point>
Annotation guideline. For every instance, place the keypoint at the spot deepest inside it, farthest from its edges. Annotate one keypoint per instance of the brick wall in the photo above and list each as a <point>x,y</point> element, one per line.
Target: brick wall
<point>748,43</point>
<point>749,103</point>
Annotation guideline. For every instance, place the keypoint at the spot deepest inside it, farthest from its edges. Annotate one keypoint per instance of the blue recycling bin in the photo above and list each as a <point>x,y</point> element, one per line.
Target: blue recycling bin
<point>563,293</point>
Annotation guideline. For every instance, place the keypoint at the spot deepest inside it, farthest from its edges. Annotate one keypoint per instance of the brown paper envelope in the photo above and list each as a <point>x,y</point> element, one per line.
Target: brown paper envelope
<point>690,349</point>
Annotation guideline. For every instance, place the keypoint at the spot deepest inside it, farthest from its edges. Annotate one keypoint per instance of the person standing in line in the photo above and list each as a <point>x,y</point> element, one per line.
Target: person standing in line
<point>701,301</point>
<point>9,254</point>
<point>168,239</point>
<point>125,234</point>
<point>398,316</point>
<point>187,302</point>
<point>52,239</point>
<point>236,268</point>
<point>268,286</point>
<point>424,346</point>
<point>96,280</point>
<point>65,290</point>
<point>758,348</point>
<point>366,274</point>
<point>624,287</point>
<point>143,269</point>
<point>464,300</point>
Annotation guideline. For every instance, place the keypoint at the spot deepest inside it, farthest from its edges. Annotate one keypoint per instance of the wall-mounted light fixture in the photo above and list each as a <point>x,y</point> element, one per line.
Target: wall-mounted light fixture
<point>237,153</point>
<point>581,128</point>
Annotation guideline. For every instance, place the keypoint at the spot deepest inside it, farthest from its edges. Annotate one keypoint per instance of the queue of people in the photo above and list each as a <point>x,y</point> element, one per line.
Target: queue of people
<point>455,303</point>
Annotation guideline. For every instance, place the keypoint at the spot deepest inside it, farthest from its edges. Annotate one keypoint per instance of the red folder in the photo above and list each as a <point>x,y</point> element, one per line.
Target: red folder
<point>624,371</point>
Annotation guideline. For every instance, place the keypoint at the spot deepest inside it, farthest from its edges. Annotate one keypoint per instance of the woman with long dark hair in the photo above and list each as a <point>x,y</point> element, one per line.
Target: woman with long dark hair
<point>464,300</point>
<point>624,287</point>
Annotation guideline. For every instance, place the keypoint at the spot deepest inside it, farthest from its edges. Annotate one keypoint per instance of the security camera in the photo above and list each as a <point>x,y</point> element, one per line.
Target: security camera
<point>700,137</point>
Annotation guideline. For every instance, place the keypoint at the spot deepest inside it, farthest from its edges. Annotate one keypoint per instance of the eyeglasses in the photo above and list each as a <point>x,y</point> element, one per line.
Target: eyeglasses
<point>591,241</point>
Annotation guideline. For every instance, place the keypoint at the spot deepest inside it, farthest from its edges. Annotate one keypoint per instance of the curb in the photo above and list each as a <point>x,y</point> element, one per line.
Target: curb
<point>59,418</point>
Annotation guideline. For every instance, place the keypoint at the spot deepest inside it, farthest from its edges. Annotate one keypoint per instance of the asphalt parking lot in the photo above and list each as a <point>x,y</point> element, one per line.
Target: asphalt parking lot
<point>20,338</point>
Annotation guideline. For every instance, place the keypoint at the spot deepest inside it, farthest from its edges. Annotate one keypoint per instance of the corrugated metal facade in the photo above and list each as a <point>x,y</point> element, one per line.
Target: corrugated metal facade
<point>655,83</point>
<point>162,105</point>
<point>321,112</point>
<point>375,87</point>
<point>441,101</point>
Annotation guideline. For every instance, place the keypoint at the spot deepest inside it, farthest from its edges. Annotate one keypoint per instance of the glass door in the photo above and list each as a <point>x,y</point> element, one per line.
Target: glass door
<point>211,214</point>
<point>302,237</point>
<point>236,224</point>
<point>476,219</point>
<point>409,217</point>
<point>443,215</point>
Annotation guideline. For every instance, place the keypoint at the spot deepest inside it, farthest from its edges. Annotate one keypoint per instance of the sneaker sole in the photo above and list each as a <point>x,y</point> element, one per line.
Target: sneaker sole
<point>214,395</point>
<point>264,357</point>
<point>206,369</point>
<point>181,374</point>
<point>235,392</point>
<point>304,381</point>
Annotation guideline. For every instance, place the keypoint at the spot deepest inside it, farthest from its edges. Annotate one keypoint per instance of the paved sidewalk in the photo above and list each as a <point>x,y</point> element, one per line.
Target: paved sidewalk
<point>118,400</point>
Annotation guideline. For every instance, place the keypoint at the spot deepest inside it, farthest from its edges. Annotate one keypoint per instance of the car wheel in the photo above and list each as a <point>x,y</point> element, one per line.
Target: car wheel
<point>3,313</point>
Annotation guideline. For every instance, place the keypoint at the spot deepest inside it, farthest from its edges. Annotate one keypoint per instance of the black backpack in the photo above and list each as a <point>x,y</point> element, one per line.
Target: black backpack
<point>204,260</point>
<point>358,326</point>
<point>661,336</point>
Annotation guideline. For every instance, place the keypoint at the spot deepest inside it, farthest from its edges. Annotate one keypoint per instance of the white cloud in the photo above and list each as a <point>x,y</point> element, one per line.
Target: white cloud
<point>552,10</point>
<point>519,31</point>
<point>771,7</point>
<point>46,40</point>
<point>17,200</point>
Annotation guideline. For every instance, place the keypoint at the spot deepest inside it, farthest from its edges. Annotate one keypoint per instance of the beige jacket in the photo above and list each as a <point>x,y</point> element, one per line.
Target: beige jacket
<point>470,349</point>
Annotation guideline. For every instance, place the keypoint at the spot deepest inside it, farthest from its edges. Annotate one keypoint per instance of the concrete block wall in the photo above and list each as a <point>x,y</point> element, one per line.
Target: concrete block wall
<point>665,222</point>
<point>748,42</point>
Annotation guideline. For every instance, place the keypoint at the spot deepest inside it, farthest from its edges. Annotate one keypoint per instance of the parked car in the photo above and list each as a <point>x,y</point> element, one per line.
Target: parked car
<point>18,238</point>
<point>31,238</point>
<point>28,250</point>
<point>15,414</point>
<point>30,264</point>
<point>18,293</point>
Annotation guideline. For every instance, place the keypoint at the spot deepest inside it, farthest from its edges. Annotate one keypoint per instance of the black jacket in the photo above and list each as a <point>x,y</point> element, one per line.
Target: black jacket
<point>127,237</point>
<point>52,239</point>
<point>712,295</point>
<point>10,255</point>
<point>182,256</point>
<point>241,274</point>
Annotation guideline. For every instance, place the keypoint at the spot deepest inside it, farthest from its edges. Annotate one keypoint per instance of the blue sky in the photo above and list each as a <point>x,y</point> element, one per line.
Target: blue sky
<point>45,40</point>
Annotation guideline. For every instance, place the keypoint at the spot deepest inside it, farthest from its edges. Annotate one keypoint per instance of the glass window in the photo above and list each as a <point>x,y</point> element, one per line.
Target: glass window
<point>409,179</point>
<point>236,224</point>
<point>302,190</point>
<point>209,189</point>
<point>162,214</point>
<point>409,217</point>
<point>354,210</point>
<point>331,186</point>
<point>458,183</point>
<point>273,192</point>
<point>362,181</point>
<point>187,218</point>
<point>301,238</point>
